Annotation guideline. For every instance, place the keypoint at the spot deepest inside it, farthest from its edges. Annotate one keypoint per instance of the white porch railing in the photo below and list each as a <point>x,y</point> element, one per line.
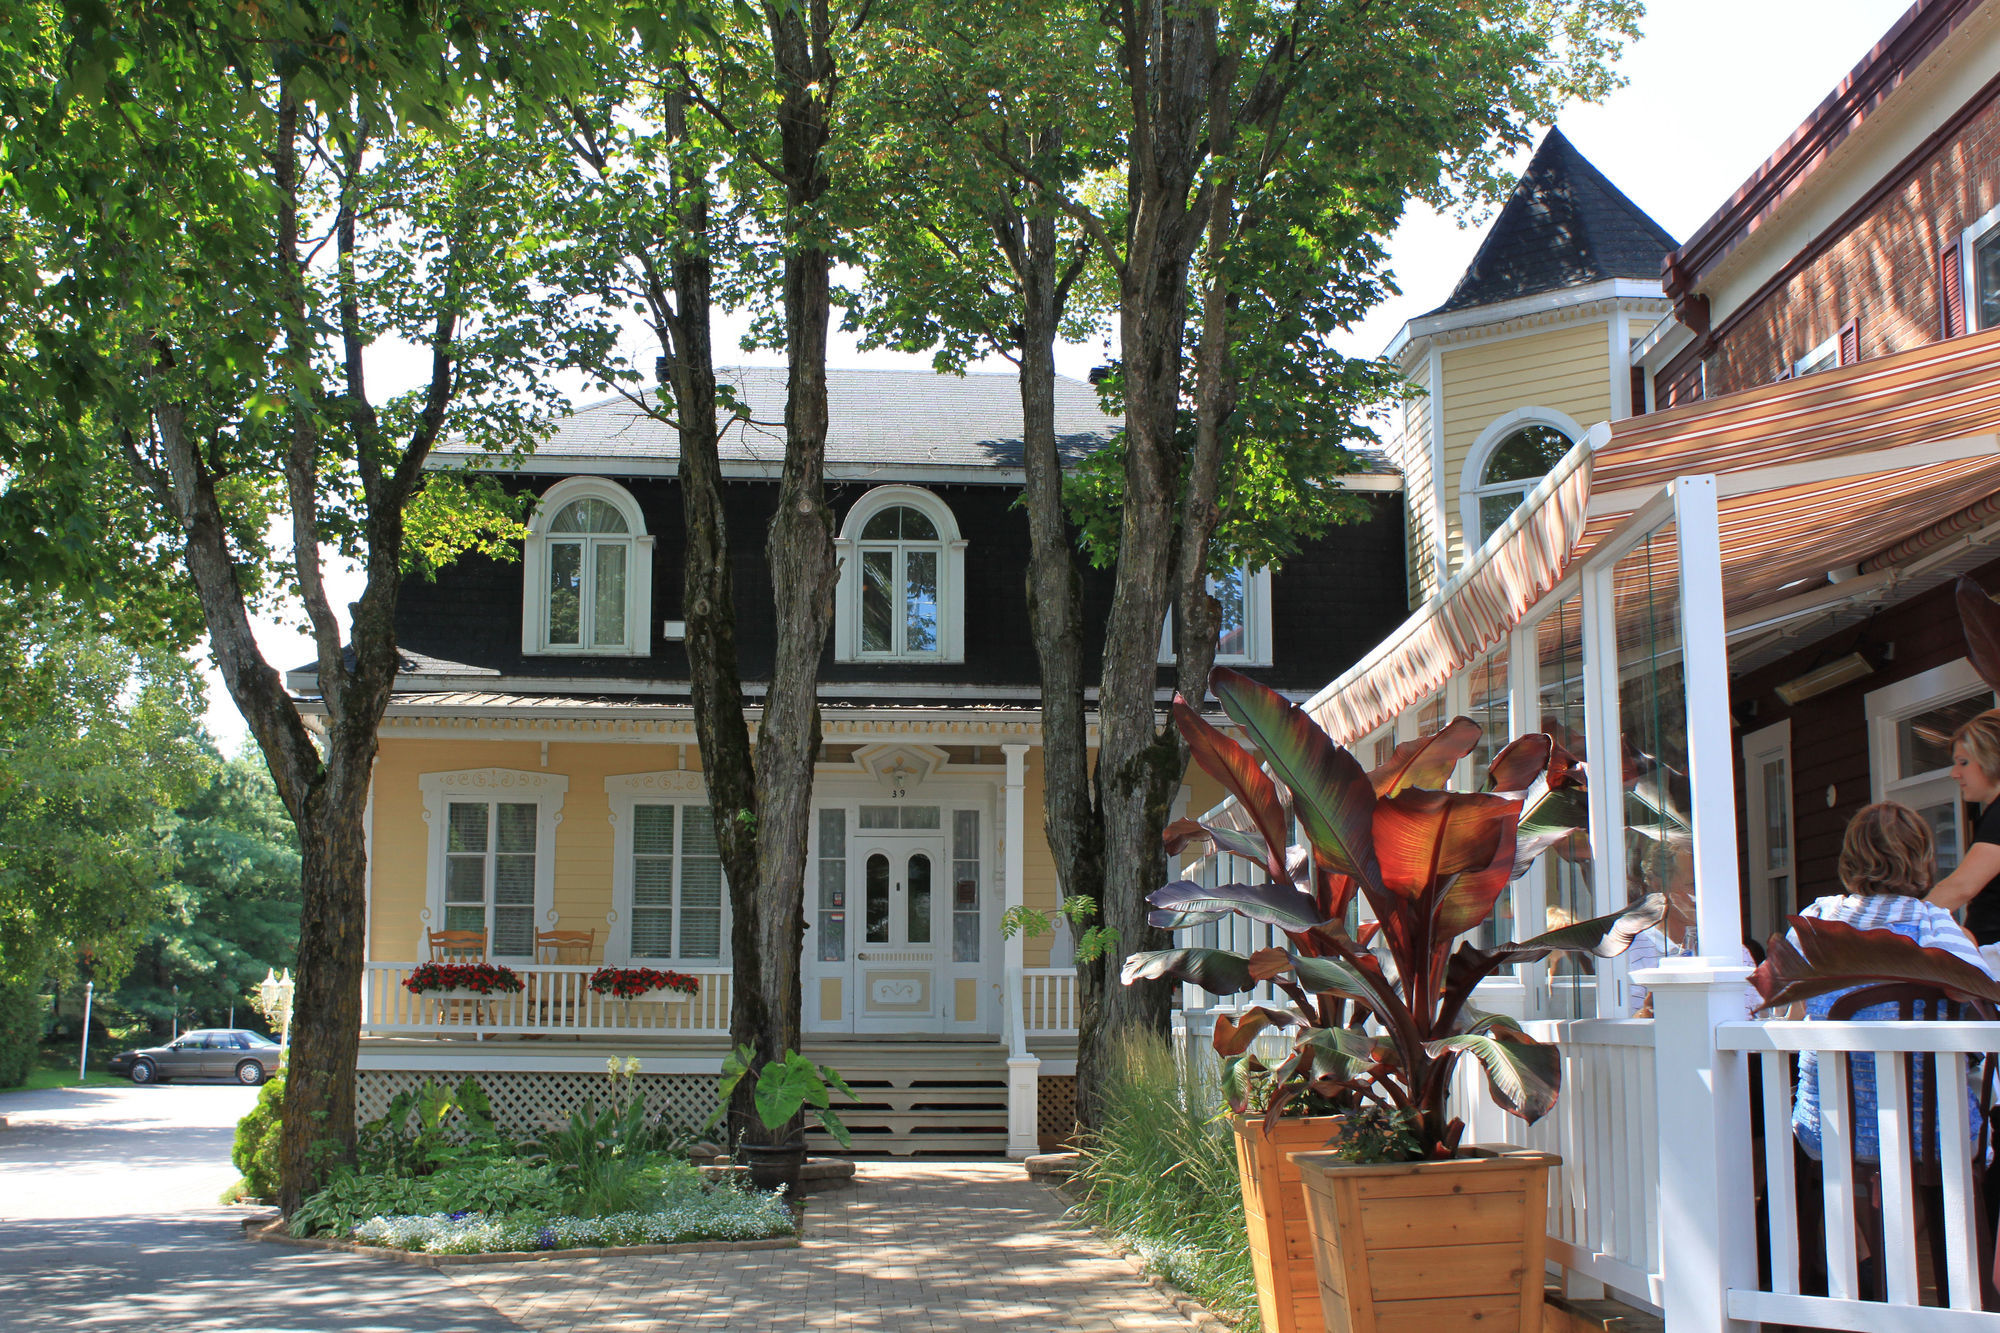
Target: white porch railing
<point>1765,1051</point>
<point>557,999</point>
<point>1604,1200</point>
<point>1047,1001</point>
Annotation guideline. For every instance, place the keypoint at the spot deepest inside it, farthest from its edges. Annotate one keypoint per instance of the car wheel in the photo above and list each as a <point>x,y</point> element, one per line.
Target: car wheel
<point>143,1072</point>
<point>249,1073</point>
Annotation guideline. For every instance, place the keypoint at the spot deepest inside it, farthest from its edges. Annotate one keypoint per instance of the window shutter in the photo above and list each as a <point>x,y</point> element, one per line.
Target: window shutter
<point>1850,342</point>
<point>1951,292</point>
<point>1638,391</point>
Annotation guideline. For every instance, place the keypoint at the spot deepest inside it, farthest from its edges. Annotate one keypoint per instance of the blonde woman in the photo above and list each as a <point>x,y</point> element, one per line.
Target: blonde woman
<point>1975,885</point>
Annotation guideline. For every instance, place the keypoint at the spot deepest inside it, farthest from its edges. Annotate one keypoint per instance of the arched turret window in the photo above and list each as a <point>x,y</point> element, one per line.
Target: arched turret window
<point>902,580</point>
<point>588,572</point>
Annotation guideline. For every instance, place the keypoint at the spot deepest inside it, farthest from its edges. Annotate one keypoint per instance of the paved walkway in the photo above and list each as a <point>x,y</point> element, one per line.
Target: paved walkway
<point>108,1220</point>
<point>912,1247</point>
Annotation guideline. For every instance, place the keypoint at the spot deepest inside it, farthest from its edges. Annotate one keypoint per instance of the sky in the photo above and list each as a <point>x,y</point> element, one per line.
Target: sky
<point>1712,88</point>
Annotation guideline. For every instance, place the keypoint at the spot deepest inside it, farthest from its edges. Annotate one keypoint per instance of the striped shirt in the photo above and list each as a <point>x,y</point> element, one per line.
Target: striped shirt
<point>1928,925</point>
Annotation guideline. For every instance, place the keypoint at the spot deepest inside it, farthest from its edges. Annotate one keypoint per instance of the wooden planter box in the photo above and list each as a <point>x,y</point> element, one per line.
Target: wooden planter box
<point>1415,1247</point>
<point>1274,1213</point>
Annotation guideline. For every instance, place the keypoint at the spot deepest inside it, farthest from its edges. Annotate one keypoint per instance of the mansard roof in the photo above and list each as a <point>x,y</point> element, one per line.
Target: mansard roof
<point>1564,226</point>
<point>875,418</point>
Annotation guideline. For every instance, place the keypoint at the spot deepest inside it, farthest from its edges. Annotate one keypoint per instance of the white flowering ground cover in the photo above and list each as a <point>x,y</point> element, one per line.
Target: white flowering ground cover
<point>723,1213</point>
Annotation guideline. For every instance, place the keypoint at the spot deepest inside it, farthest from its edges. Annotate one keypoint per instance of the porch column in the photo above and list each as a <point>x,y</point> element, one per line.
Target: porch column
<point>1024,1082</point>
<point>1708,1225</point>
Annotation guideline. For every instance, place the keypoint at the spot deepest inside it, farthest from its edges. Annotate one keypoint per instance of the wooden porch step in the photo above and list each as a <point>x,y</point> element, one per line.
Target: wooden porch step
<point>955,1143</point>
<point>1571,1314</point>
<point>912,1097</point>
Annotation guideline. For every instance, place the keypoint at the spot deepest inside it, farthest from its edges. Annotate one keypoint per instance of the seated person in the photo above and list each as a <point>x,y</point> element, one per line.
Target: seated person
<point>1886,865</point>
<point>1975,885</point>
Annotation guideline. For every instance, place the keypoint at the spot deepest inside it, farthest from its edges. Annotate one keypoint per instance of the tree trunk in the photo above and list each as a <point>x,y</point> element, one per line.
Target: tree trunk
<point>1054,587</point>
<point>1168,57</point>
<point>800,551</point>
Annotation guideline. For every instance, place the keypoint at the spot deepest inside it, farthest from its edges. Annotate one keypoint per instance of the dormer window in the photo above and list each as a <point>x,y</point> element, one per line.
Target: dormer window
<point>902,580</point>
<point>588,572</point>
<point>1243,638</point>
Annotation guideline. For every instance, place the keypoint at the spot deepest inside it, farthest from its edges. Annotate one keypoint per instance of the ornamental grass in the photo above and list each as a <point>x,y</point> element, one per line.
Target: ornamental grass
<point>1159,1173</point>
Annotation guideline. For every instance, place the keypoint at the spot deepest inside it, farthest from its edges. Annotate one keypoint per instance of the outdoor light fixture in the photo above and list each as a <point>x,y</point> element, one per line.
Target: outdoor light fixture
<point>1828,676</point>
<point>275,992</point>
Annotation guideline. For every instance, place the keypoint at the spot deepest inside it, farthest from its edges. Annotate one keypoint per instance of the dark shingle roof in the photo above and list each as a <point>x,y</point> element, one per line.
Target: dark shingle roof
<point>1564,226</point>
<point>874,418</point>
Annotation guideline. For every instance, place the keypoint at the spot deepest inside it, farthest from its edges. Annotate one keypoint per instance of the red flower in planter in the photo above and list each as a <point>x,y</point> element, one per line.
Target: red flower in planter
<point>485,978</point>
<point>626,982</point>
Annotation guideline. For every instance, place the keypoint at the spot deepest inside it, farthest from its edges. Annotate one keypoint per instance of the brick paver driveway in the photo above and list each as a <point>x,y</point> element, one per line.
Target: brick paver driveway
<point>914,1247</point>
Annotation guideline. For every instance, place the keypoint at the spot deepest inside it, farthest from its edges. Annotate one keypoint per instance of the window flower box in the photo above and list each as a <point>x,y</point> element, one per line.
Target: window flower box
<point>644,983</point>
<point>463,981</point>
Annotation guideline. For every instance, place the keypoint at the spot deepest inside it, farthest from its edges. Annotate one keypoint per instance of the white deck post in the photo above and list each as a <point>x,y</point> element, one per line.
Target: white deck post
<point>1024,1084</point>
<point>1708,1229</point>
<point>1711,753</point>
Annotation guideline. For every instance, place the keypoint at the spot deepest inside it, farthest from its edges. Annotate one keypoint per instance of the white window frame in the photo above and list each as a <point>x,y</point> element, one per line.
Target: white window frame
<point>515,786</point>
<point>1761,747</point>
<point>951,576</point>
<point>1471,490</point>
<point>1257,635</point>
<point>638,640</point>
<point>1968,242</point>
<point>624,792</point>
<point>1826,356</point>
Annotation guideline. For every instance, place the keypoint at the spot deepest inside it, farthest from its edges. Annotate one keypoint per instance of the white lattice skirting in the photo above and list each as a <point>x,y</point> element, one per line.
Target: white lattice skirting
<point>527,1103</point>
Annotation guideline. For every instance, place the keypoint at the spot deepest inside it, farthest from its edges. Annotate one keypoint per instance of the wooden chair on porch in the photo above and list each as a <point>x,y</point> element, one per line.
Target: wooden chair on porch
<point>458,946</point>
<point>562,994</point>
<point>1924,1004</point>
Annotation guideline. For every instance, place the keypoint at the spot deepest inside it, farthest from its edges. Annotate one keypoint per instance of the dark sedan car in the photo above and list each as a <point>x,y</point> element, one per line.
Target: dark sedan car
<point>247,1057</point>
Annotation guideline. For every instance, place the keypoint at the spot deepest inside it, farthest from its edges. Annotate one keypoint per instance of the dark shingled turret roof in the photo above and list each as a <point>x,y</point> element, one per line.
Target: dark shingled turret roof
<point>1564,226</point>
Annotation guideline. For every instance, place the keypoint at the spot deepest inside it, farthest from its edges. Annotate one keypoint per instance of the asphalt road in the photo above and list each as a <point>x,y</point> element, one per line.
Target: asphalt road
<point>109,1219</point>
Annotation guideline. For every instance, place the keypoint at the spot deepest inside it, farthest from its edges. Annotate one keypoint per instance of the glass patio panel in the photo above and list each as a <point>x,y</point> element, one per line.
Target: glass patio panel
<point>1487,704</point>
<point>1652,724</point>
<point>1564,875</point>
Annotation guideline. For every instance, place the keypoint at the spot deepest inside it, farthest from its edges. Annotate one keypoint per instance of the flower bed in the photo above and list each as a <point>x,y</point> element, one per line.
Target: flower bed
<point>630,982</point>
<point>472,978</point>
<point>725,1213</point>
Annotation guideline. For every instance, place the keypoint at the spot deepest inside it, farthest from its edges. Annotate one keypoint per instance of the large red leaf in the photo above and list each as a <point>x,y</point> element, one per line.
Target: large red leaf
<point>1238,771</point>
<point>1233,1035</point>
<point>1980,617</point>
<point>1236,842</point>
<point>1524,1075</point>
<point>1216,971</point>
<point>1821,956</point>
<point>1422,837</point>
<point>1330,793</point>
<point>1470,899</point>
<point>1277,905</point>
<point>1428,760</point>
<point>1519,764</point>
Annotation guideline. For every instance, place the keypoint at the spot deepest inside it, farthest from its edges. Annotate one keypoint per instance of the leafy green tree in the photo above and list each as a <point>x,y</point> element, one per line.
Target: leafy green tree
<point>98,743</point>
<point>1251,156</point>
<point>230,910</point>
<point>221,209</point>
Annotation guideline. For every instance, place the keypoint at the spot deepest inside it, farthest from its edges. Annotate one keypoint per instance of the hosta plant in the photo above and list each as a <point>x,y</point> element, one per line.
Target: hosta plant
<point>1379,1015</point>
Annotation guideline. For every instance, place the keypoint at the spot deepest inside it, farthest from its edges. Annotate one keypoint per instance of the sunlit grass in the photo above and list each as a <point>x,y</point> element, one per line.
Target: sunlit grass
<point>1160,1174</point>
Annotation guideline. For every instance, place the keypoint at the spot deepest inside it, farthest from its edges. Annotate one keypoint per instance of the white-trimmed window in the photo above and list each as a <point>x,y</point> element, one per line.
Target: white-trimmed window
<point>1823,357</point>
<point>1909,728</point>
<point>1509,459</point>
<point>1979,252</point>
<point>901,595</point>
<point>1244,635</point>
<point>670,902</point>
<point>492,854</point>
<point>587,572</point>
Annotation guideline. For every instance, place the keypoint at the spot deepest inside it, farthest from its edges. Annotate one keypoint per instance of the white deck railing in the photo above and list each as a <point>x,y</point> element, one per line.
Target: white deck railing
<point>557,999</point>
<point>1604,1200</point>
<point>1047,1002</point>
<point>1767,1050</point>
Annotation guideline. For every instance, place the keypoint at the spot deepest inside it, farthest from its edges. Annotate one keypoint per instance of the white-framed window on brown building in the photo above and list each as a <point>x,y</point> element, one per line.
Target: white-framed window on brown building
<point>1767,808</point>
<point>1969,273</point>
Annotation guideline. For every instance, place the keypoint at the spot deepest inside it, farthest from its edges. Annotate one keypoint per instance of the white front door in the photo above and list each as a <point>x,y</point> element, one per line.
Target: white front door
<point>898,882</point>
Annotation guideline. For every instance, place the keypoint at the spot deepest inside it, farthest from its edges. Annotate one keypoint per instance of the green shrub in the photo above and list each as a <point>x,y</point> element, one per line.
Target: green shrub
<point>497,1188</point>
<point>257,1134</point>
<point>20,1032</point>
<point>430,1128</point>
<point>1160,1173</point>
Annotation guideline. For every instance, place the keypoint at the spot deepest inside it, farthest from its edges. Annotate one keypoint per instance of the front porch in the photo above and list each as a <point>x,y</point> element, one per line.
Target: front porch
<point>543,1050</point>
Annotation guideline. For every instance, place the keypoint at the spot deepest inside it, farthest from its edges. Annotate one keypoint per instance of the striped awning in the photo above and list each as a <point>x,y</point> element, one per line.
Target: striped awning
<point>1471,613</point>
<point>1816,474</point>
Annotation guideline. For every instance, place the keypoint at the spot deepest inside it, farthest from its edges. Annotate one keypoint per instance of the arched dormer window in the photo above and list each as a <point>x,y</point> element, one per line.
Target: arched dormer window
<point>1509,459</point>
<point>902,580</point>
<point>587,573</point>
